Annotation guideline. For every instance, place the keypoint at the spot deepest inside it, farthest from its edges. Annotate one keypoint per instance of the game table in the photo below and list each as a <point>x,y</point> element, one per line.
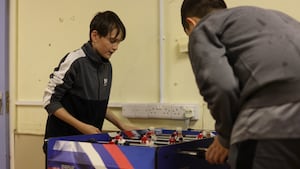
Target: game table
<point>103,151</point>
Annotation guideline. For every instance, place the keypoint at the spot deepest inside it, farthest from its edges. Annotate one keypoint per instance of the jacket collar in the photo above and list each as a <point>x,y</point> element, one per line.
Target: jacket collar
<point>92,54</point>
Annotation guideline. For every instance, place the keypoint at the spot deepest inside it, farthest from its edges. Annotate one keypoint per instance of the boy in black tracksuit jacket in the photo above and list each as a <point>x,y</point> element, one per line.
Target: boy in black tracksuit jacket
<point>77,94</point>
<point>83,90</point>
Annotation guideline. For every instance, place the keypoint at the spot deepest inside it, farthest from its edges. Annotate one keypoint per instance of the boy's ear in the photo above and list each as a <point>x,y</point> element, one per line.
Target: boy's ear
<point>192,21</point>
<point>94,34</point>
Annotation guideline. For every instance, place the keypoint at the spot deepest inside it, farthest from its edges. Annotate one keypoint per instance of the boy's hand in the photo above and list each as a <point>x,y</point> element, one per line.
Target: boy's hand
<point>216,153</point>
<point>89,129</point>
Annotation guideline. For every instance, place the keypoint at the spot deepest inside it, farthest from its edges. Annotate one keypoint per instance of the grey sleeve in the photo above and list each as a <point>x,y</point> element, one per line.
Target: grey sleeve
<point>215,79</point>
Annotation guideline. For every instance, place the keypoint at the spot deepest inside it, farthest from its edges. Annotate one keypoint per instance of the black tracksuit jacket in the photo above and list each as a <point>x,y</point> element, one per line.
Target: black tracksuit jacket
<point>81,84</point>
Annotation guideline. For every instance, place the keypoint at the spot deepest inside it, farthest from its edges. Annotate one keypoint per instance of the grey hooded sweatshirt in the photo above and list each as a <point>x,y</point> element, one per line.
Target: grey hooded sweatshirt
<point>246,62</point>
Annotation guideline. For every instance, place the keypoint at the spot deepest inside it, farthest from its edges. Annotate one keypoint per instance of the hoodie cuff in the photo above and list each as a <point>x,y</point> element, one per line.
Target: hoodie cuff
<point>223,141</point>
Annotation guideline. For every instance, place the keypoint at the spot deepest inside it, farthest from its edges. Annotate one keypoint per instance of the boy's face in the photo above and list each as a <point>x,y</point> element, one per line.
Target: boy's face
<point>107,45</point>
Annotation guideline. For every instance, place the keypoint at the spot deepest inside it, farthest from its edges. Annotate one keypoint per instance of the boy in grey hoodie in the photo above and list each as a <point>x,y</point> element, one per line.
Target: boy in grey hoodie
<point>246,61</point>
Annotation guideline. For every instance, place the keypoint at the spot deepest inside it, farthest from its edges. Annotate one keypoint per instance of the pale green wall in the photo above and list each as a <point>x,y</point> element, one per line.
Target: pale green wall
<point>43,31</point>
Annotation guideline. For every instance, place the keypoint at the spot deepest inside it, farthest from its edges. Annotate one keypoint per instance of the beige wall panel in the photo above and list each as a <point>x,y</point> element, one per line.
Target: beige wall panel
<point>31,120</point>
<point>180,85</point>
<point>29,153</point>
<point>49,29</point>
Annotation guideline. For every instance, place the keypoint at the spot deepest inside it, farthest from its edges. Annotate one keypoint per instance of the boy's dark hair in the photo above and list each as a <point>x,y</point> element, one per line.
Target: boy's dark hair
<point>199,8</point>
<point>105,22</point>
